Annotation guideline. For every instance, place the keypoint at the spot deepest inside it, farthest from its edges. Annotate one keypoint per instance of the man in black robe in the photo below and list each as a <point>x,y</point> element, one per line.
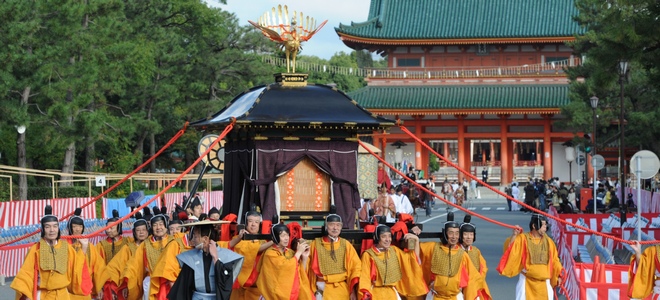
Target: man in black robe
<point>207,271</point>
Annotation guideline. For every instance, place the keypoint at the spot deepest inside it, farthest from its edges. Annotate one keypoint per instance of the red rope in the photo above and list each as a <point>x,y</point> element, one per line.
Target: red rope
<point>143,165</point>
<point>468,174</point>
<point>157,196</point>
<point>563,289</point>
<point>432,192</point>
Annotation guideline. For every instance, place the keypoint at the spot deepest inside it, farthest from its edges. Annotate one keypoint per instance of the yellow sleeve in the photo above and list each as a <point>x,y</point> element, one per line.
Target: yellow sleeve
<point>113,271</point>
<point>426,251</point>
<point>506,244</point>
<point>411,271</point>
<point>96,265</point>
<point>23,283</point>
<point>305,288</point>
<point>640,283</point>
<point>353,266</point>
<point>475,280</point>
<point>557,267</point>
<point>80,278</point>
<point>223,244</point>
<point>511,263</point>
<point>277,271</point>
<point>365,285</point>
<point>249,250</point>
<point>168,266</point>
<point>483,267</point>
<point>134,274</point>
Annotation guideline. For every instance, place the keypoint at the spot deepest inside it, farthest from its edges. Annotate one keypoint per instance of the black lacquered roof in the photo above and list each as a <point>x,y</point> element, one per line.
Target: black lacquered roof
<point>307,106</point>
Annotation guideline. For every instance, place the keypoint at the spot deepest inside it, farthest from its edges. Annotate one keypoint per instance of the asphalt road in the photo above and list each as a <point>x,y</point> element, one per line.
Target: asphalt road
<point>490,238</point>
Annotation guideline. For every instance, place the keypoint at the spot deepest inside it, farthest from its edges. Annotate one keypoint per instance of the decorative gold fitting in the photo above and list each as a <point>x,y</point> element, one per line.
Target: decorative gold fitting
<point>291,138</point>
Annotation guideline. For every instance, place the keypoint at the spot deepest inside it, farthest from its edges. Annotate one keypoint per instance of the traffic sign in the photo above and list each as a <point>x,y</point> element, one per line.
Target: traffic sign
<point>581,160</point>
<point>649,164</point>
<point>598,162</point>
<point>100,180</point>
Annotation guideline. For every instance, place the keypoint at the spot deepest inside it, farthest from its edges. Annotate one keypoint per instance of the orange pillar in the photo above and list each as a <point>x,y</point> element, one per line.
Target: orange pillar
<point>468,158</point>
<point>383,147</point>
<point>446,152</point>
<point>547,148</point>
<point>590,169</point>
<point>461,142</point>
<point>425,162</point>
<point>506,174</point>
<point>538,154</point>
<point>483,156</point>
<point>492,153</point>
<point>376,141</point>
<point>515,153</point>
<point>418,147</point>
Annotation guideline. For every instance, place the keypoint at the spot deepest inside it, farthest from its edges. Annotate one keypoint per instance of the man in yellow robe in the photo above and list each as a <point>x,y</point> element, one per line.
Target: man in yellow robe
<point>282,271</point>
<point>533,256</point>
<point>244,288</point>
<point>334,269</point>
<point>114,242</point>
<point>95,262</point>
<point>387,272</point>
<point>136,281</point>
<point>644,273</point>
<point>52,267</point>
<point>468,235</point>
<point>113,271</point>
<point>448,270</point>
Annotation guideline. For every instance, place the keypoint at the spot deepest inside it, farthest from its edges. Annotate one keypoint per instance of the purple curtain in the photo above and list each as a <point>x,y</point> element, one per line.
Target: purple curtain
<point>337,159</point>
<point>239,156</point>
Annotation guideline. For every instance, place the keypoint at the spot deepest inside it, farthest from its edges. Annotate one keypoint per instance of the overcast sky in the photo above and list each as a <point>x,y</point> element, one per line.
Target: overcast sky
<point>326,42</point>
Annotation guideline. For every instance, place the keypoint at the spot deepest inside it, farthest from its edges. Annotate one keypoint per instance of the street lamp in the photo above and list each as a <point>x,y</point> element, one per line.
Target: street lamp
<point>398,153</point>
<point>594,105</point>
<point>570,157</point>
<point>623,69</point>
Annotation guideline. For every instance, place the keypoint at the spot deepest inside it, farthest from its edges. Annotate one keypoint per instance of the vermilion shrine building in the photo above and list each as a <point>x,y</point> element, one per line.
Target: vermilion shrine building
<point>481,81</point>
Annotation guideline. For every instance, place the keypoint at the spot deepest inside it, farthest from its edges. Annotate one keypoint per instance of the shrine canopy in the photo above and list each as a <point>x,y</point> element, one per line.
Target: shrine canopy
<point>311,106</point>
<point>285,125</point>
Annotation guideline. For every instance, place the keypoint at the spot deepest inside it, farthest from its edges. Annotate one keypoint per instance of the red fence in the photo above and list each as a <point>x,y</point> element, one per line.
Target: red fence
<point>610,281</point>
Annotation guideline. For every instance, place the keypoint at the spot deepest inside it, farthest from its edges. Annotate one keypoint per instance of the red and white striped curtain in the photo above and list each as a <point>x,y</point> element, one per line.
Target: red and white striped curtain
<point>213,199</point>
<point>28,212</point>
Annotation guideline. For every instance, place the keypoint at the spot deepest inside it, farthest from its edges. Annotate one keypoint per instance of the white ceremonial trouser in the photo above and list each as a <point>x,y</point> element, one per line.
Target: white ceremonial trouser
<point>145,287</point>
<point>320,287</point>
<point>429,296</point>
<point>521,292</point>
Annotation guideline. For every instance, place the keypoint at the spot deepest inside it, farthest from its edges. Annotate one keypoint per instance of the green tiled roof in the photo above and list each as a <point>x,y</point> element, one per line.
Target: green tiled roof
<point>466,19</point>
<point>462,97</point>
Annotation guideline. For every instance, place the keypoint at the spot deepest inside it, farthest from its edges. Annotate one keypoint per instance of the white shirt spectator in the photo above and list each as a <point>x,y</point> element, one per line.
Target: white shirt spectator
<point>402,204</point>
<point>515,192</point>
<point>454,186</point>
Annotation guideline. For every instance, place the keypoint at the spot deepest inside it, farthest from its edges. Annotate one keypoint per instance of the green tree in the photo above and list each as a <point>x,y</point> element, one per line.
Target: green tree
<point>616,30</point>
